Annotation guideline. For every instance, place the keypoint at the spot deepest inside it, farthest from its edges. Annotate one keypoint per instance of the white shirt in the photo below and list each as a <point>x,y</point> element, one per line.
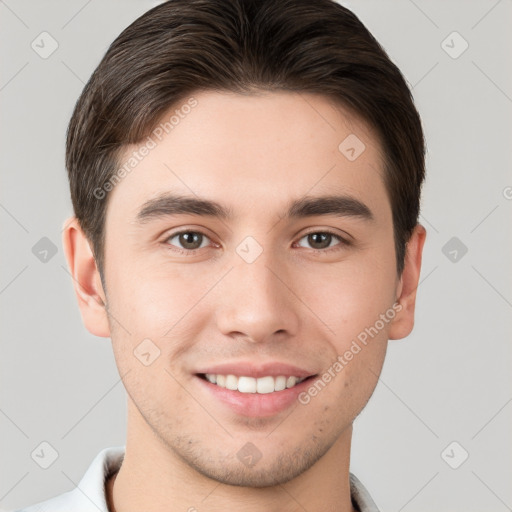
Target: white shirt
<point>89,495</point>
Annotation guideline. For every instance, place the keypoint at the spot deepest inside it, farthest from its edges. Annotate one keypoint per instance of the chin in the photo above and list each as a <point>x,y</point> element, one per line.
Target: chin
<point>260,471</point>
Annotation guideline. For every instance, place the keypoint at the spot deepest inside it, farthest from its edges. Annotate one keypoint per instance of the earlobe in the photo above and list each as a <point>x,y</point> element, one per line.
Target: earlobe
<point>403,323</point>
<point>86,278</point>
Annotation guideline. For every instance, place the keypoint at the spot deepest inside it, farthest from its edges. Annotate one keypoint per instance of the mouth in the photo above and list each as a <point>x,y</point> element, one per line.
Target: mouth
<point>262,385</point>
<point>253,388</point>
<point>251,397</point>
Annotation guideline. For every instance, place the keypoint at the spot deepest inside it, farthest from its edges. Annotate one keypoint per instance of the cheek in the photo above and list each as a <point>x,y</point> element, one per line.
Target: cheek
<point>160,303</point>
<point>362,374</point>
<point>153,297</point>
<point>352,298</point>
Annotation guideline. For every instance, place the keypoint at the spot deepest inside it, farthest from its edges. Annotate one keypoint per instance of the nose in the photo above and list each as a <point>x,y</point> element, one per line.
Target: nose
<point>258,302</point>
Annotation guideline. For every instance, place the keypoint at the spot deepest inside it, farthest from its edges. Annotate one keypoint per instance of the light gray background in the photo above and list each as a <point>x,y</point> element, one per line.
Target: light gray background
<point>450,380</point>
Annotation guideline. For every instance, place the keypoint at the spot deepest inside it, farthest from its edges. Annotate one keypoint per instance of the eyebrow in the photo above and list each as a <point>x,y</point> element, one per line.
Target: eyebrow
<point>174,204</point>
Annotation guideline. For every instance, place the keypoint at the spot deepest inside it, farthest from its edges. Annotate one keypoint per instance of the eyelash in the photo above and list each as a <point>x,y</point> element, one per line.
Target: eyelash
<point>191,252</point>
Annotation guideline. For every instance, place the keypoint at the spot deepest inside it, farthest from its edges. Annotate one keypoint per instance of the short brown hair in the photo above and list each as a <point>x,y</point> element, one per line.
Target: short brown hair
<point>182,46</point>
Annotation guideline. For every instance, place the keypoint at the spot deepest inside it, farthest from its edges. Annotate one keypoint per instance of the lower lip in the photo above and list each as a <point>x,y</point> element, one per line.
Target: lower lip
<point>256,404</point>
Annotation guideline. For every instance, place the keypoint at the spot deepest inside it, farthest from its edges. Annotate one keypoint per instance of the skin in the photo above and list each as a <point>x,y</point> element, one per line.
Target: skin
<point>253,153</point>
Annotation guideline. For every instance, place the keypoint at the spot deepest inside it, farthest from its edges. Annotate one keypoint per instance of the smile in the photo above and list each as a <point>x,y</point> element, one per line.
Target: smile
<point>244,384</point>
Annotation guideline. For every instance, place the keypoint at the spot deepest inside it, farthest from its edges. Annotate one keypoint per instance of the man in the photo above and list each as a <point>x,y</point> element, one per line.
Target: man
<point>246,181</point>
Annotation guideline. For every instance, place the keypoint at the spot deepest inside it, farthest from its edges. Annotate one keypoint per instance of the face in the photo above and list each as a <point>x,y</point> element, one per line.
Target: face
<point>264,291</point>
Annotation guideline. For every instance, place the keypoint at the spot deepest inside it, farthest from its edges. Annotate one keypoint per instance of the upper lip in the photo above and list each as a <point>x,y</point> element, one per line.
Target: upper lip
<point>250,369</point>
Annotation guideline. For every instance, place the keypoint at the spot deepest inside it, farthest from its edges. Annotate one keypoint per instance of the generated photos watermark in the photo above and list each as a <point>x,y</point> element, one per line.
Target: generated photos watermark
<point>342,360</point>
<point>150,143</point>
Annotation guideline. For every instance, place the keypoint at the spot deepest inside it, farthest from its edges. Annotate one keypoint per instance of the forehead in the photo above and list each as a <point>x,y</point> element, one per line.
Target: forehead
<point>254,151</point>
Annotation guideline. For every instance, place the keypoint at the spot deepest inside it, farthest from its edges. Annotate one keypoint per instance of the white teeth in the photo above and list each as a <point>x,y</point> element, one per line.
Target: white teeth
<point>246,385</point>
<point>231,382</point>
<point>209,377</point>
<point>251,385</point>
<point>291,381</point>
<point>265,385</point>
<point>280,383</point>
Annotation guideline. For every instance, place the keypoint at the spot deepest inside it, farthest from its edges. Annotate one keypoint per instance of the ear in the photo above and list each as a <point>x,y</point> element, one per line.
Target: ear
<point>86,279</point>
<point>403,322</point>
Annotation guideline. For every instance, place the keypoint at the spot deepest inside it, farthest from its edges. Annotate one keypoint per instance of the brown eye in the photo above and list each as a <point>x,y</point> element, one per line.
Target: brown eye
<point>187,240</point>
<point>322,241</point>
